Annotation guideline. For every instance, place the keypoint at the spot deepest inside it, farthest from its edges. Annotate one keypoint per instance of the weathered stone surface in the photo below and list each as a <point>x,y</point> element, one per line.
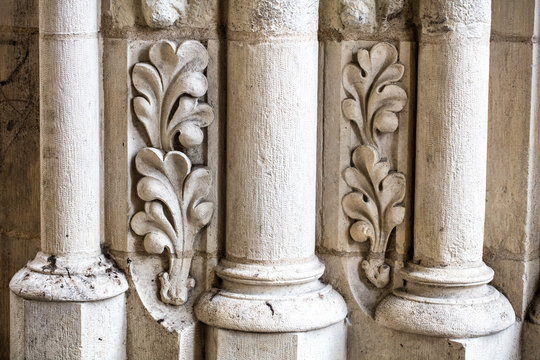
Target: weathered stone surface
<point>19,14</point>
<point>270,273</point>
<point>163,13</point>
<point>125,135</point>
<point>445,291</point>
<point>19,147</point>
<point>328,344</point>
<point>272,36</point>
<point>69,276</point>
<point>512,245</point>
<point>75,330</point>
<point>366,19</point>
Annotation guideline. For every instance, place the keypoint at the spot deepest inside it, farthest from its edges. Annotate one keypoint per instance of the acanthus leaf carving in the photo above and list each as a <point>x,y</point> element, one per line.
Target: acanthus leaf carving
<point>174,193</point>
<point>375,204</point>
<point>174,78</point>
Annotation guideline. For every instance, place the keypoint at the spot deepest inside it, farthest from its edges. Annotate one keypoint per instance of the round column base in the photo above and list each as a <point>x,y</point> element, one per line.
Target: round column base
<point>328,343</point>
<point>56,278</point>
<point>288,312</point>
<point>446,305</point>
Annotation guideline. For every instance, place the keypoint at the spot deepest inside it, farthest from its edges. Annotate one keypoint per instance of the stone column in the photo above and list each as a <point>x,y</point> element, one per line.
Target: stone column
<point>446,291</point>
<point>68,303</point>
<point>271,304</point>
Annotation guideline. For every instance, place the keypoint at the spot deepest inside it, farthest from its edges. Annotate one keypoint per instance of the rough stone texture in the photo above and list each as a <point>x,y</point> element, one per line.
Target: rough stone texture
<point>70,269</point>
<point>367,19</point>
<point>445,292</point>
<point>162,13</point>
<point>341,254</point>
<point>189,14</point>
<point>328,344</point>
<point>149,319</point>
<point>270,272</point>
<point>19,147</point>
<point>511,244</point>
<point>75,330</point>
<point>531,334</point>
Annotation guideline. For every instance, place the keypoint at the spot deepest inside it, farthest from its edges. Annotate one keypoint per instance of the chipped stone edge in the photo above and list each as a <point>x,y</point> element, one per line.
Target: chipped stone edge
<point>52,278</point>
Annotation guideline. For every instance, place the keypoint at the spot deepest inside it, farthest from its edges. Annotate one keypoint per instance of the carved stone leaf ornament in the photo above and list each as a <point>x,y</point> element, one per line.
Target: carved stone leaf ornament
<point>175,209</point>
<point>378,192</point>
<point>174,77</point>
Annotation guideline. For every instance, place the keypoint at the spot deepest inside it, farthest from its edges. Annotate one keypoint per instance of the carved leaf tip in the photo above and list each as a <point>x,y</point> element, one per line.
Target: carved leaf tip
<point>376,200</point>
<point>377,271</point>
<point>170,87</point>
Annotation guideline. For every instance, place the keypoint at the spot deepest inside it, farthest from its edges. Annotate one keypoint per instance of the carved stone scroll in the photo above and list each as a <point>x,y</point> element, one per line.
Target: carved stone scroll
<point>375,204</point>
<point>175,209</point>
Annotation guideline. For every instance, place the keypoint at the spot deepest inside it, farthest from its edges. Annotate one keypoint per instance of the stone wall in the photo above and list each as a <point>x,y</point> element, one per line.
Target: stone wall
<point>19,146</point>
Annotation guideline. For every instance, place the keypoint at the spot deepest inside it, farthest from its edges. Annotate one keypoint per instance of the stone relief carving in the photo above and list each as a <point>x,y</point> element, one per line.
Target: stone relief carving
<point>375,204</point>
<point>175,208</point>
<point>368,15</point>
<point>162,13</point>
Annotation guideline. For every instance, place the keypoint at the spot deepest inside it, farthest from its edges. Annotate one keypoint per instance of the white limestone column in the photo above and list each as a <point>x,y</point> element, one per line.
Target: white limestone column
<point>270,272</point>
<point>445,289</point>
<point>69,301</point>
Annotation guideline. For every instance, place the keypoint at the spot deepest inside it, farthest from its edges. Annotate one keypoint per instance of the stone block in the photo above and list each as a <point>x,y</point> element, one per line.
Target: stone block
<point>19,13</point>
<point>504,345</point>
<point>323,344</point>
<point>513,18</point>
<point>68,330</point>
<point>531,341</point>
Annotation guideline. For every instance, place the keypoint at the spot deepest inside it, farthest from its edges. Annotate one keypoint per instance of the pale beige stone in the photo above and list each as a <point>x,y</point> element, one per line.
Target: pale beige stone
<point>74,330</point>
<point>151,320</point>
<point>328,343</point>
<point>70,277</point>
<point>280,42</point>
<point>270,274</point>
<point>445,292</point>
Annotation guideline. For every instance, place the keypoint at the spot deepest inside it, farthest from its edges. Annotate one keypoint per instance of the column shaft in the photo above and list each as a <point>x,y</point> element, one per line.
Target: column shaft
<point>446,291</point>
<point>451,135</point>
<point>69,275</point>
<point>69,128</point>
<point>272,130</point>
<point>270,272</point>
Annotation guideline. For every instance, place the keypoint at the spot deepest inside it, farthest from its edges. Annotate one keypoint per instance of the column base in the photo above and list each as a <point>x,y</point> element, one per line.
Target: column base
<point>67,330</point>
<point>453,303</point>
<point>56,278</point>
<point>328,343</point>
<point>68,308</point>
<point>263,313</point>
<point>273,312</point>
<point>279,298</point>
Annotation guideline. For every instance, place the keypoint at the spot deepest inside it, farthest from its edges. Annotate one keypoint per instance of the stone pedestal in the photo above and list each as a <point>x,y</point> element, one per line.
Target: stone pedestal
<point>446,291</point>
<point>270,273</point>
<point>68,303</point>
<point>68,330</point>
<point>327,343</point>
